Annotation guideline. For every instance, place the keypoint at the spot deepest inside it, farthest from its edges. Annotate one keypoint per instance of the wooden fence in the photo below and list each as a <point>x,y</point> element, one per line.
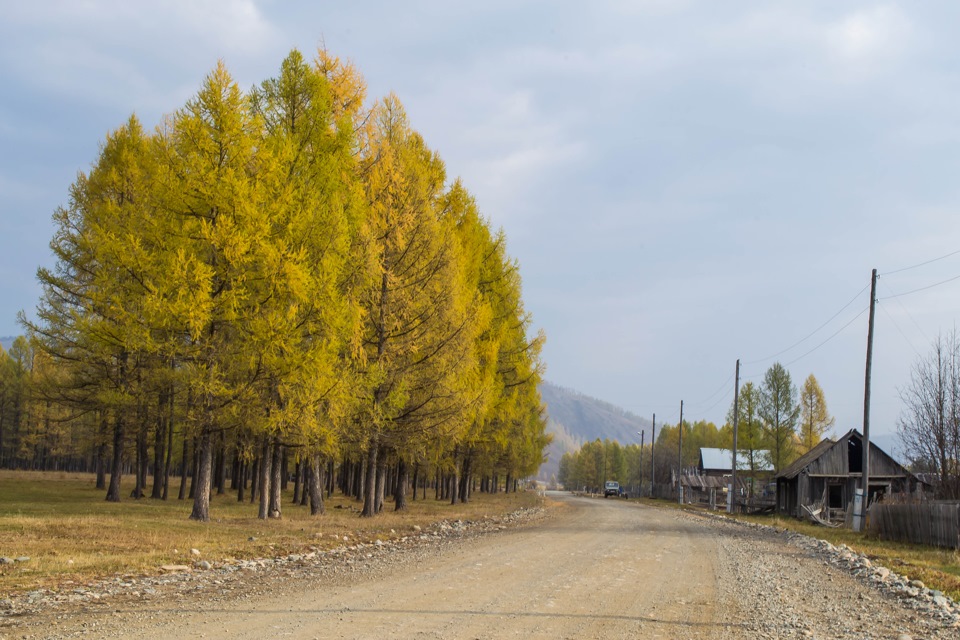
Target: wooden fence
<point>935,524</point>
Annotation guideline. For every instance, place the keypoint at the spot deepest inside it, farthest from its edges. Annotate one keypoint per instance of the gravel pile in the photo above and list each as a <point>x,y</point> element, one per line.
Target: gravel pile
<point>788,585</point>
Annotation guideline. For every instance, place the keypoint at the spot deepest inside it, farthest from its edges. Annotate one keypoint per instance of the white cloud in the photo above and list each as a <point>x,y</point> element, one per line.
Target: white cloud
<point>876,33</point>
<point>94,51</point>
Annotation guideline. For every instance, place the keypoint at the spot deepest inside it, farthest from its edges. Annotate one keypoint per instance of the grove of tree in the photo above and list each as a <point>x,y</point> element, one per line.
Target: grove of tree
<point>277,283</point>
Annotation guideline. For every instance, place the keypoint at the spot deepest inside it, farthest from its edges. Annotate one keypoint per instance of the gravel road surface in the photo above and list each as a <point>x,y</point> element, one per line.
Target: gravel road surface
<point>585,568</point>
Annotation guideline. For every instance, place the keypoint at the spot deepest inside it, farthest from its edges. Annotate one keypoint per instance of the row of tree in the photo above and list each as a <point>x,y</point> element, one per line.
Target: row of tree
<point>776,425</point>
<point>284,269</point>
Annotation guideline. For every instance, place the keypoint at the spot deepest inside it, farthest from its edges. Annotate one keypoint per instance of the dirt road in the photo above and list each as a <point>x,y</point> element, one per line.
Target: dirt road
<point>593,569</point>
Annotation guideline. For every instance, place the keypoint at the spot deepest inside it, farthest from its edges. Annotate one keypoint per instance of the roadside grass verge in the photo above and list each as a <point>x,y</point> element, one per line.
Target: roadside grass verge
<point>938,568</point>
<point>72,535</point>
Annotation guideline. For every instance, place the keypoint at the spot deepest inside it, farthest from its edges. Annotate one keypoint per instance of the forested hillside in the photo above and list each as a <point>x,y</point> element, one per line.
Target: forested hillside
<point>271,284</point>
<point>575,418</point>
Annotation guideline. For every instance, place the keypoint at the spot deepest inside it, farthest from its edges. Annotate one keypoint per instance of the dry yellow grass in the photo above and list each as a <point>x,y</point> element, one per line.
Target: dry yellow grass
<point>72,535</point>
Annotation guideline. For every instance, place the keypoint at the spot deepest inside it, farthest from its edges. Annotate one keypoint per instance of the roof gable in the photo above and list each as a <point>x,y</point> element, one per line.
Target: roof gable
<point>829,456</point>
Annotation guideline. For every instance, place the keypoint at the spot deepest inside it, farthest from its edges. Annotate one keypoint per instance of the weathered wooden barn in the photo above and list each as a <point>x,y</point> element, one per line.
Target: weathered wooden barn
<point>828,474</point>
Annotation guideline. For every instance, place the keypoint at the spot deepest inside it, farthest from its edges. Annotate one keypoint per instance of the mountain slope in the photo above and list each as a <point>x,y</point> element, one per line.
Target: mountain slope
<point>575,418</point>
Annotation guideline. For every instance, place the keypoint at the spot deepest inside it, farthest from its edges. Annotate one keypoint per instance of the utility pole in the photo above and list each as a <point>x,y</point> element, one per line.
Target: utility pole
<point>640,473</point>
<point>653,444</point>
<point>865,476</point>
<point>680,455</point>
<point>736,422</point>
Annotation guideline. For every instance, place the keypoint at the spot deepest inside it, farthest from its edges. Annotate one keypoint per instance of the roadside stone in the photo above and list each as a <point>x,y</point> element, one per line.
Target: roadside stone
<point>203,564</point>
<point>194,552</point>
<point>5,560</point>
<point>23,559</point>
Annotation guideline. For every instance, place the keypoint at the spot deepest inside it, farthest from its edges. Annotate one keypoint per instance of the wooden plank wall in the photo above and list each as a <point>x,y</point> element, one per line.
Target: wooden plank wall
<point>927,523</point>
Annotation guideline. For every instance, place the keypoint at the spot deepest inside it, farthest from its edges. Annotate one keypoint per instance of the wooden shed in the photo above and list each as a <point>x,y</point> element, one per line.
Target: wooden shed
<point>828,474</point>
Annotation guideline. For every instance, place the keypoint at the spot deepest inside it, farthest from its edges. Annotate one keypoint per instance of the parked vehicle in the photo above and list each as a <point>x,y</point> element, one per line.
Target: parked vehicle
<point>611,488</point>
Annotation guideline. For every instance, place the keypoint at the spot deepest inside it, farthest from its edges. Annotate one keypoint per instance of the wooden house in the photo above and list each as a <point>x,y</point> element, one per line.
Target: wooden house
<point>828,474</point>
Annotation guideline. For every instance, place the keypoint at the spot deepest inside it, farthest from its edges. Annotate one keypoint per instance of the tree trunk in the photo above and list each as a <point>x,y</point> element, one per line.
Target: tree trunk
<point>241,474</point>
<point>276,481</point>
<point>235,476</point>
<point>196,469</point>
<point>183,468</point>
<point>315,485</point>
<point>221,466</point>
<point>202,485</point>
<point>465,478</point>
<point>400,495</point>
<point>305,466</point>
<point>159,448</point>
<point>359,481</point>
<point>265,474</point>
<point>101,466</point>
<point>381,481</point>
<point>143,453</point>
<point>298,482</point>
<point>116,469</point>
<point>166,462</point>
<point>416,479</point>
<point>255,480</point>
<point>370,486</point>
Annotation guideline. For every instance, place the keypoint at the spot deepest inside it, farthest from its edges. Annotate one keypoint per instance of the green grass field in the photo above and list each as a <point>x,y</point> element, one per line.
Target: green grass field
<point>72,535</point>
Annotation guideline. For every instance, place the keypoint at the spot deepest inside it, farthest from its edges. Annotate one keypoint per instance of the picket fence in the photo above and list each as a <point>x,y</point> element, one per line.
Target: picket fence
<point>935,524</point>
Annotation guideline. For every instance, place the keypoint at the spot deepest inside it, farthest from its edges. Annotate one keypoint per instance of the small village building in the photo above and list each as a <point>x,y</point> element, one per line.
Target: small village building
<point>710,480</point>
<point>754,470</point>
<point>826,477</point>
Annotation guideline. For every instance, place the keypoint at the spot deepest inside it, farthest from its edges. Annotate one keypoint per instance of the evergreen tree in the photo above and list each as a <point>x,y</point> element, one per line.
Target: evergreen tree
<point>751,438</point>
<point>419,331</point>
<point>779,411</point>
<point>815,420</point>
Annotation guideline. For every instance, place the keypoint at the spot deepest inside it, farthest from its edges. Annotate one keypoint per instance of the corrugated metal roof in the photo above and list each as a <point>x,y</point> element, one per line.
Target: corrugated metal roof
<point>722,460</point>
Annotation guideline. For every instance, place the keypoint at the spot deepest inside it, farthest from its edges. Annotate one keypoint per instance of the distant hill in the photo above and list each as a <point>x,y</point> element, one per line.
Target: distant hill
<point>7,342</point>
<point>575,418</point>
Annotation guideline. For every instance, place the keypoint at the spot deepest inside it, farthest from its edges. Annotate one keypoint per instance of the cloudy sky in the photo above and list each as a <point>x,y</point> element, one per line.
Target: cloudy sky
<point>683,183</point>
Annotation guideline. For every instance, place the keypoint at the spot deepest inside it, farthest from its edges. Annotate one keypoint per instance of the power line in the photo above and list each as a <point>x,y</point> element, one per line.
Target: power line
<point>930,286</point>
<point>722,398</point>
<point>889,315</point>
<point>712,395</point>
<point>922,264</point>
<point>909,315</point>
<point>828,339</point>
<point>812,333</point>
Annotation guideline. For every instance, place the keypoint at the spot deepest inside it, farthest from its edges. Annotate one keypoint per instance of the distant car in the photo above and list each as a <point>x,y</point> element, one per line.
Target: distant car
<point>611,488</point>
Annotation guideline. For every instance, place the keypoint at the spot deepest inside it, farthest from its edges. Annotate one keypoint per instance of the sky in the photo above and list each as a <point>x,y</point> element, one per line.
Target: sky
<point>683,183</point>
